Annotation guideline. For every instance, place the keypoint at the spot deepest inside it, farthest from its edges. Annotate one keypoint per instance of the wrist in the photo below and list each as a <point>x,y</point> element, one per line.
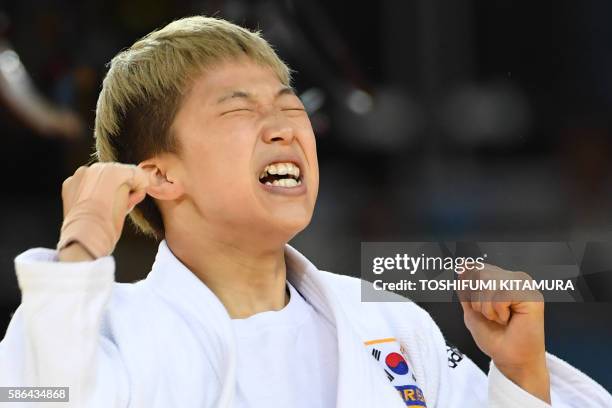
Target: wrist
<point>74,252</point>
<point>532,377</point>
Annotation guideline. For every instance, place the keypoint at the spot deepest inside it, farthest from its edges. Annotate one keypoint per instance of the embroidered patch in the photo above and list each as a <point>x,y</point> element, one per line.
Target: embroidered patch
<point>454,355</point>
<point>412,395</point>
<point>393,360</point>
<point>396,363</point>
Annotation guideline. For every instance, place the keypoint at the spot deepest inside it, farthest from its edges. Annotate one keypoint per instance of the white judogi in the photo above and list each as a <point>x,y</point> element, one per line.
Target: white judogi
<point>167,341</point>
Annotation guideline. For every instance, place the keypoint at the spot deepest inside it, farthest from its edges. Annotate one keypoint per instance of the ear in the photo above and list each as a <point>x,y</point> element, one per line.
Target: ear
<point>163,184</point>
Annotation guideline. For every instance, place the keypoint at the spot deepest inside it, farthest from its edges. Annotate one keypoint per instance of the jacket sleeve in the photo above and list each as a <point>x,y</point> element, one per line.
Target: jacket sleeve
<point>54,338</point>
<point>457,382</point>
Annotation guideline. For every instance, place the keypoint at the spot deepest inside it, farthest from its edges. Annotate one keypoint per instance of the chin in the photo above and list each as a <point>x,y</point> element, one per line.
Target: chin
<point>290,227</point>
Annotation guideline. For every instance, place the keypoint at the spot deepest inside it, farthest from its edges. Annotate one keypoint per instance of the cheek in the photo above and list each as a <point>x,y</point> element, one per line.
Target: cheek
<point>310,150</point>
<point>308,139</point>
<point>220,167</point>
<point>222,147</point>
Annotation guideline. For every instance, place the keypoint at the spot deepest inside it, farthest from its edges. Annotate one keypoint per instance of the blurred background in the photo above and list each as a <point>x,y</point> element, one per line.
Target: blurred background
<point>436,120</point>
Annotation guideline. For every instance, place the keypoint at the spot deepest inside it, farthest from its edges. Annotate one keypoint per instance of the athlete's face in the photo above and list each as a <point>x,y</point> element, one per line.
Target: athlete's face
<point>248,152</point>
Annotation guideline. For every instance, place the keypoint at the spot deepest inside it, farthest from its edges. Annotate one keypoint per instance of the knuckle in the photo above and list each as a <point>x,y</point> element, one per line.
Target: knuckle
<point>539,298</point>
<point>487,275</point>
<point>78,172</point>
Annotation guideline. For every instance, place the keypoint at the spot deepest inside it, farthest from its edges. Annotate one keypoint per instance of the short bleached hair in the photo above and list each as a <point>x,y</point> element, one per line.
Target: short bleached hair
<point>145,84</point>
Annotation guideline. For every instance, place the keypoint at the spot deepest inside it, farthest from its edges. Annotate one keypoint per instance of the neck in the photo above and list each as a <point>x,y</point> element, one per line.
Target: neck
<point>246,280</point>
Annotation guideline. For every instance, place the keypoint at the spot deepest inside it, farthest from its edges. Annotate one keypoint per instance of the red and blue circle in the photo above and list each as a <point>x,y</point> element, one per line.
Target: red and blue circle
<point>396,363</point>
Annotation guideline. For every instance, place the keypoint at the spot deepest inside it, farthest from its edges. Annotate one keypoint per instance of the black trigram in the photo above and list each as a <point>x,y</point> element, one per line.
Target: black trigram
<point>389,376</point>
<point>376,354</point>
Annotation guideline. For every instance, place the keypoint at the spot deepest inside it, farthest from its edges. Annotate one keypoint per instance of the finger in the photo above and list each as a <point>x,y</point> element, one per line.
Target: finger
<point>468,312</point>
<point>487,311</point>
<point>122,198</point>
<point>132,175</point>
<point>473,319</point>
<point>470,299</point>
<point>467,295</point>
<point>120,206</point>
<point>502,303</point>
<point>140,179</point>
<point>478,323</point>
<point>487,298</point>
<point>503,311</point>
<point>71,188</point>
<point>67,195</point>
<point>135,198</point>
<point>74,180</point>
<point>112,176</point>
<point>137,187</point>
<point>476,305</point>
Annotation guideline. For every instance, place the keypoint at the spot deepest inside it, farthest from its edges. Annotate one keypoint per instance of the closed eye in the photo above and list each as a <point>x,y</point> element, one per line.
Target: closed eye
<point>236,110</point>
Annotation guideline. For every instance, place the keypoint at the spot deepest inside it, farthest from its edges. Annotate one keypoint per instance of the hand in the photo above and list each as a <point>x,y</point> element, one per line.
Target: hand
<point>508,326</point>
<point>96,200</point>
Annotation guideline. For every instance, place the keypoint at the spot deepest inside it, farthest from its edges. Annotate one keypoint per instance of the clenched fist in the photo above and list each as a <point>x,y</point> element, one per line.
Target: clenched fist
<point>96,200</point>
<point>508,326</point>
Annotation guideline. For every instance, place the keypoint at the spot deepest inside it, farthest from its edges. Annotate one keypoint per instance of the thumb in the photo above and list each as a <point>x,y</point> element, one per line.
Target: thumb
<point>135,198</point>
<point>476,322</point>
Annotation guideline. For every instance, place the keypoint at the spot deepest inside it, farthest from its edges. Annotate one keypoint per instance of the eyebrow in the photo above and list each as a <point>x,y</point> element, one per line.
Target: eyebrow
<point>285,90</point>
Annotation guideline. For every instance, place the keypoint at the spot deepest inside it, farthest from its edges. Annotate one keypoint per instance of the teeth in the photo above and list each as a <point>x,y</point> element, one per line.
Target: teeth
<point>286,182</point>
<point>282,169</point>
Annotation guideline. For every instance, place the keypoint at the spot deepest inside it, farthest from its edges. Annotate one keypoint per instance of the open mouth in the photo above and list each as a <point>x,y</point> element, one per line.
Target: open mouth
<point>282,174</point>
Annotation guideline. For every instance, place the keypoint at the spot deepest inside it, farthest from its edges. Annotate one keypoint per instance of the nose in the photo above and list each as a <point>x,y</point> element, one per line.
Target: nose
<point>282,134</point>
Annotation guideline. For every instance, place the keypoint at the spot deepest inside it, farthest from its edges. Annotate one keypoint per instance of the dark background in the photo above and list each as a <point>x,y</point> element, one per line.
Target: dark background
<point>436,120</point>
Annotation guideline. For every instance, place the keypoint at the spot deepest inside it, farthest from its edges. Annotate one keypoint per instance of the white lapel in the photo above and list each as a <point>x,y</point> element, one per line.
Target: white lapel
<point>361,381</point>
<point>174,282</point>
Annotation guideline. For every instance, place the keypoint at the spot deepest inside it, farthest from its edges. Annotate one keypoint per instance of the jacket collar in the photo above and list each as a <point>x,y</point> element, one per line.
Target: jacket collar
<point>360,382</point>
<point>181,289</point>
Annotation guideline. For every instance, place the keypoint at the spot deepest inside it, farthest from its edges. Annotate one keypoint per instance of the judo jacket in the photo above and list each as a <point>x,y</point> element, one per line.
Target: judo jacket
<point>167,341</point>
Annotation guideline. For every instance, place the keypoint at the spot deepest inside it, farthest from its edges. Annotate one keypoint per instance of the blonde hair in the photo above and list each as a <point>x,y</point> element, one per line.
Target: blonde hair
<point>145,84</point>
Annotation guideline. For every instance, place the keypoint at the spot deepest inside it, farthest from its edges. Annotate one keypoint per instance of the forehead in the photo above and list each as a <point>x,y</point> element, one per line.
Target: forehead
<point>236,75</point>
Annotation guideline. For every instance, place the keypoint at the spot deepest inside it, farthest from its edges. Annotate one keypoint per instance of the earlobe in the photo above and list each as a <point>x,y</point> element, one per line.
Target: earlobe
<point>161,187</point>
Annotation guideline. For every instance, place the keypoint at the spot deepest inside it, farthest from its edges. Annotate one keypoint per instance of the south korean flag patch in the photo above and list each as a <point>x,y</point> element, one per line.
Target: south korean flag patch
<point>391,358</point>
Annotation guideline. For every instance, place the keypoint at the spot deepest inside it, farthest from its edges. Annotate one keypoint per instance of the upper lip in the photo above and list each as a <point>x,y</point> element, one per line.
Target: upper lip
<point>284,158</point>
